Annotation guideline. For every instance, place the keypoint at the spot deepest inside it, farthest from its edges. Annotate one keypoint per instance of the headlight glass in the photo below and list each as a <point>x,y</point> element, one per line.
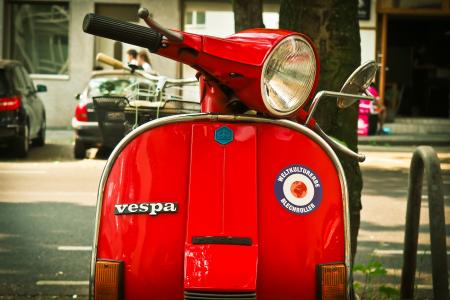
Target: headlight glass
<point>288,75</point>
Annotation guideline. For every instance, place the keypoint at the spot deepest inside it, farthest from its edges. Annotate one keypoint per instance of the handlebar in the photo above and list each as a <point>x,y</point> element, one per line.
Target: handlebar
<point>149,38</point>
<point>108,60</point>
<point>122,31</point>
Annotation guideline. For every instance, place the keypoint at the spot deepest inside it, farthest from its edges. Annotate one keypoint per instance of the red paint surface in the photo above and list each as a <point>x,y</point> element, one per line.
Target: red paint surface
<point>212,98</point>
<point>242,53</point>
<point>231,193</point>
<point>221,205</point>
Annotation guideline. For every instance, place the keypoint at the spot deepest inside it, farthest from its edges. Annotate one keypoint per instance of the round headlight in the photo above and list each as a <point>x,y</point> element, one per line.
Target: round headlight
<point>288,75</point>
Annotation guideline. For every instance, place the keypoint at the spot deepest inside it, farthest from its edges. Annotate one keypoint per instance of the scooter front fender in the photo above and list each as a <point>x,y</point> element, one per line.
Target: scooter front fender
<point>221,205</point>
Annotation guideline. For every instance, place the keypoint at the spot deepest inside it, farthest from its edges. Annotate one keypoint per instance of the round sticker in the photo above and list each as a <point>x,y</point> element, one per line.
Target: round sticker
<point>298,189</point>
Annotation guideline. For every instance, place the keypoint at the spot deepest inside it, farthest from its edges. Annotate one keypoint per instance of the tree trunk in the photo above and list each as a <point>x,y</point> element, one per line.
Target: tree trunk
<point>247,14</point>
<point>333,25</point>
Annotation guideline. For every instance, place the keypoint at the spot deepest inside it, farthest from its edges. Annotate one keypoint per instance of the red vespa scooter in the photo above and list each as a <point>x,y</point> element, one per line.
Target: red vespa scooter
<point>238,202</point>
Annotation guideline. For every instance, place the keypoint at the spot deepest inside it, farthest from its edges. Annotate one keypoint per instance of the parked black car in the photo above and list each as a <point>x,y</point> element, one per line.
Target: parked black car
<point>22,113</point>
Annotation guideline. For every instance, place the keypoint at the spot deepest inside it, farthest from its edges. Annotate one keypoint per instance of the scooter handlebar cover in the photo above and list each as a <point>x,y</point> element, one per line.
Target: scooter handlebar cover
<point>122,31</point>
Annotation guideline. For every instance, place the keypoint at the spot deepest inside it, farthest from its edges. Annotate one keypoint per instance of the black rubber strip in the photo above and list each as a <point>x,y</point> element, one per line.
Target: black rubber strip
<point>221,240</point>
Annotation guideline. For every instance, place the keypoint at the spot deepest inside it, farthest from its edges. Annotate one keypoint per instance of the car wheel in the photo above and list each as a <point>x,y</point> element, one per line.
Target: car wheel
<point>103,152</point>
<point>40,140</point>
<point>79,150</point>
<point>21,144</point>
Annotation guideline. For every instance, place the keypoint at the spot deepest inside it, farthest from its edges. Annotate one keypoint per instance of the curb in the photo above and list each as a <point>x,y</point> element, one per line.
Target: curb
<point>405,140</point>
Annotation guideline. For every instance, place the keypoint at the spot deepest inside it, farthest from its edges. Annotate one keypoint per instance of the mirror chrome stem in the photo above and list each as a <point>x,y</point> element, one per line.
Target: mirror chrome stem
<point>322,94</point>
<point>170,35</point>
<point>338,147</point>
<point>335,145</point>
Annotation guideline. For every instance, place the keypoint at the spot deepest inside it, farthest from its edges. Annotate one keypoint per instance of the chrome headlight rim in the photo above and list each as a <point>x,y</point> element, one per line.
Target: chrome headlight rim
<point>296,36</point>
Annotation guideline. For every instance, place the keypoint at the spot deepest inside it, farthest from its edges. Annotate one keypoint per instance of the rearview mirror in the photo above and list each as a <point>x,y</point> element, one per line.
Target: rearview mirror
<point>41,88</point>
<point>357,83</point>
<point>77,96</point>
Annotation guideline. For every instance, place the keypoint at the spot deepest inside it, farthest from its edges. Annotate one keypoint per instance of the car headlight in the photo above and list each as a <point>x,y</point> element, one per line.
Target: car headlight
<point>288,75</point>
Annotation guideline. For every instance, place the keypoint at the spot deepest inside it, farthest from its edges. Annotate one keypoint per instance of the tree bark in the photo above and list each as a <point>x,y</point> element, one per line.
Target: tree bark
<point>333,25</point>
<point>247,14</point>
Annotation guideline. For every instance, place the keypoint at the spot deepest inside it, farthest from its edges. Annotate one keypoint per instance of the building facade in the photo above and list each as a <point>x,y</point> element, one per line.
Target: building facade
<point>47,37</point>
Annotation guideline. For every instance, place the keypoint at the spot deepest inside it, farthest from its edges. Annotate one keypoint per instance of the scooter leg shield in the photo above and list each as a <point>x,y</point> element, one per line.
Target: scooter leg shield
<point>196,206</point>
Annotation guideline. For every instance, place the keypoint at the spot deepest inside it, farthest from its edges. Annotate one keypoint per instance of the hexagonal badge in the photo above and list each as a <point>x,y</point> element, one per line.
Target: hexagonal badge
<point>223,135</point>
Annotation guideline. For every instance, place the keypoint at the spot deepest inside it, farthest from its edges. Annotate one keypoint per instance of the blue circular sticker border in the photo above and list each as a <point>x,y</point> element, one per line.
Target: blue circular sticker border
<point>285,203</point>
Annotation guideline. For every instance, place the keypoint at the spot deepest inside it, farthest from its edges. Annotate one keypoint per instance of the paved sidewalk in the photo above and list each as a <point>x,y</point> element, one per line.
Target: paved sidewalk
<point>412,131</point>
<point>60,136</point>
<point>381,235</point>
<point>385,174</point>
<point>405,139</point>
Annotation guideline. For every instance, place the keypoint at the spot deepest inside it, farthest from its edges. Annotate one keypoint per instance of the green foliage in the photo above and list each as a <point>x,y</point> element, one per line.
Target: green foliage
<point>372,268</point>
<point>389,292</point>
<point>366,289</point>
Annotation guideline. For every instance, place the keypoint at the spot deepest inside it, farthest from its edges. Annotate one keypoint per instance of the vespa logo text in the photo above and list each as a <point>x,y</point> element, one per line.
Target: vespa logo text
<point>152,208</point>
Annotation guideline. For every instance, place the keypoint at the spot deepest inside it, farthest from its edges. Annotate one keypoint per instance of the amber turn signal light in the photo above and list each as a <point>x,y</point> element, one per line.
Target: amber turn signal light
<point>332,281</point>
<point>108,283</point>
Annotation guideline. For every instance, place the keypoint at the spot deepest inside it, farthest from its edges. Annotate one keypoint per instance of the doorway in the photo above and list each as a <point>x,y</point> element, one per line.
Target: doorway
<point>418,67</point>
<point>123,12</point>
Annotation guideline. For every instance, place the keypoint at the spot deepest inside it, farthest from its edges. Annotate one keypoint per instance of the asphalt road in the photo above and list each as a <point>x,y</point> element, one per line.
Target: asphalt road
<point>381,235</point>
<point>47,207</point>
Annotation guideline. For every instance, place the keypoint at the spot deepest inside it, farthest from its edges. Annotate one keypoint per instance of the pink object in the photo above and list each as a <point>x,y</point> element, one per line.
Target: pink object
<point>365,108</point>
<point>363,117</point>
<point>373,91</point>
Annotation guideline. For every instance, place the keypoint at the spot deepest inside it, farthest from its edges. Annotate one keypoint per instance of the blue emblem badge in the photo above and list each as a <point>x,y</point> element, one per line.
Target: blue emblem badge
<point>298,189</point>
<point>223,135</point>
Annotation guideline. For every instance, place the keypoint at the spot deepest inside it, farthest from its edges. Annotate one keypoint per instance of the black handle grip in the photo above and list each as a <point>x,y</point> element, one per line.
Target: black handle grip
<point>122,31</point>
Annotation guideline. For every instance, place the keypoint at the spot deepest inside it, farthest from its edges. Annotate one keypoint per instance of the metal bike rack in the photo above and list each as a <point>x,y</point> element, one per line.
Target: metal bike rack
<point>425,159</point>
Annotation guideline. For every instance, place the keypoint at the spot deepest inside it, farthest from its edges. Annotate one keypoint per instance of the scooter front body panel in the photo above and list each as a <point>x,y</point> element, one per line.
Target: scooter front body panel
<point>257,206</point>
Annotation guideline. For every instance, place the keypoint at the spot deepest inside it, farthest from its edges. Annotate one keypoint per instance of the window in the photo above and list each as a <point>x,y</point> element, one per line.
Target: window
<point>40,36</point>
<point>189,18</point>
<point>201,18</point>
<point>195,18</point>
<point>19,81</point>
<point>28,82</point>
<point>124,12</point>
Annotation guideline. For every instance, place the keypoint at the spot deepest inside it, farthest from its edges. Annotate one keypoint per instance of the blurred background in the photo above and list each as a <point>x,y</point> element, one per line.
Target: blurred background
<point>409,38</point>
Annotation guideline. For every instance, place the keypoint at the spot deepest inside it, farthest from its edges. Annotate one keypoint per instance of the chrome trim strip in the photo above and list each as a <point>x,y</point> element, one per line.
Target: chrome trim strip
<point>221,118</point>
